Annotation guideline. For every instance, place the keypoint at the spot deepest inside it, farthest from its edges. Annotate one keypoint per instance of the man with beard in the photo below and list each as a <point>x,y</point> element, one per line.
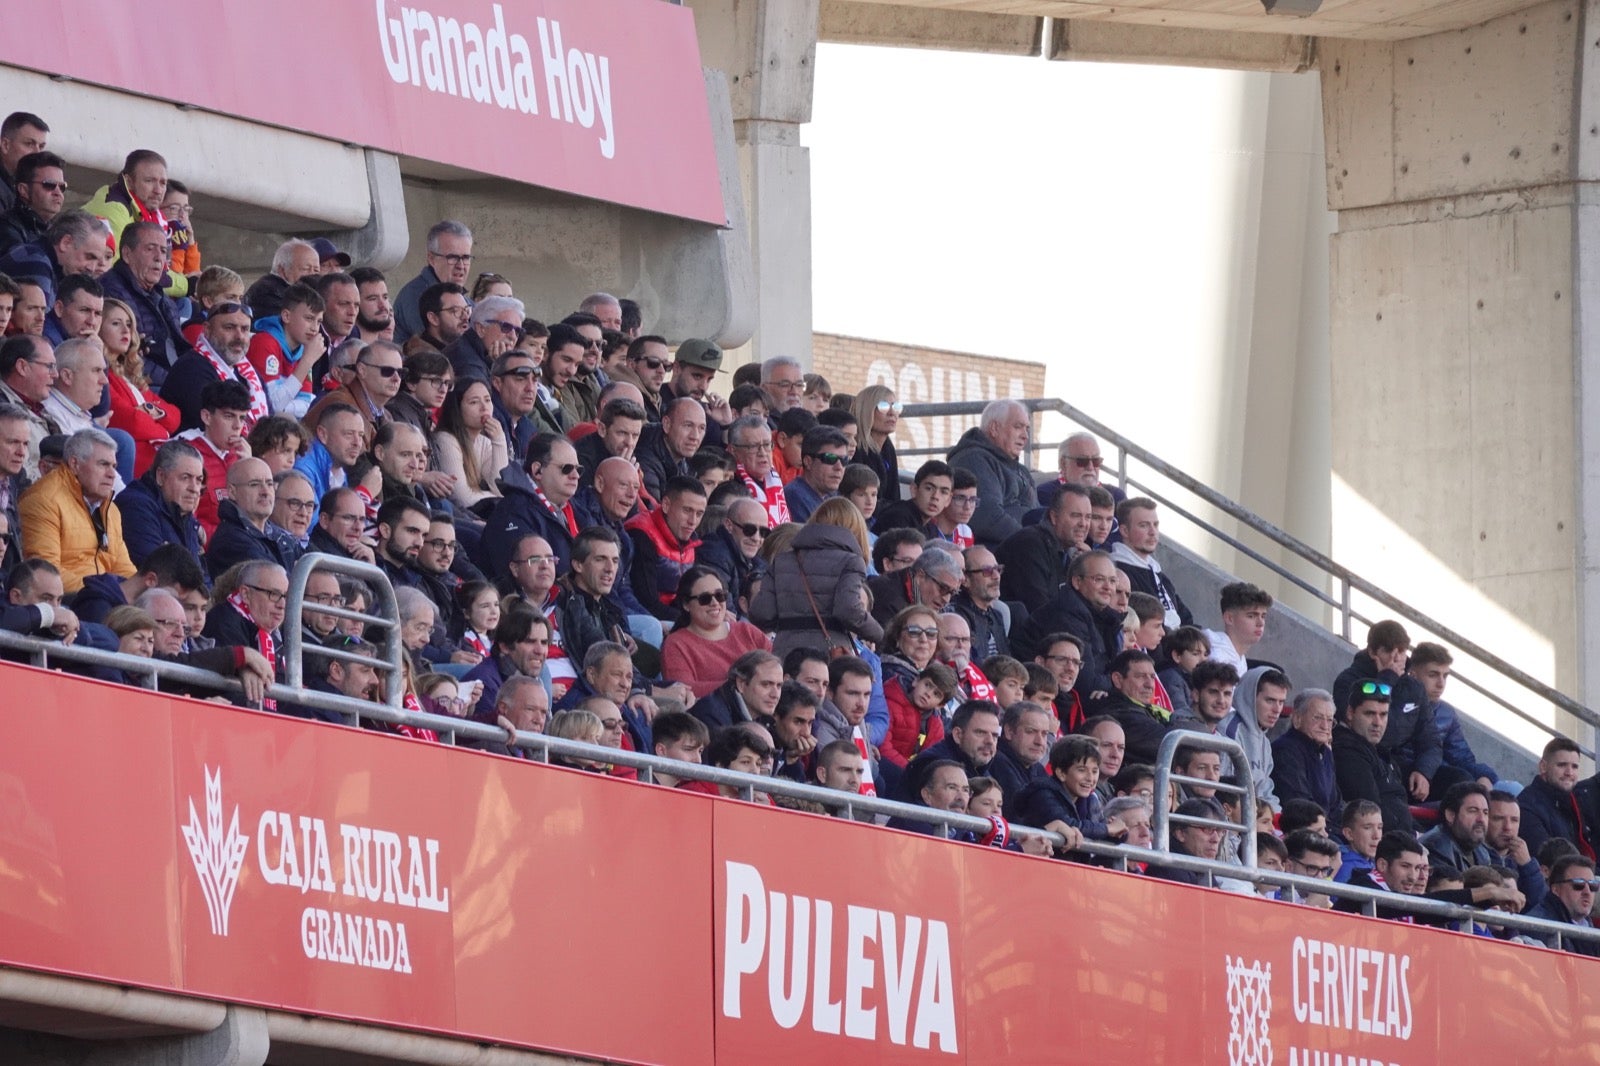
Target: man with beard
<point>402,526</point>
<point>375,320</point>
<point>220,354</point>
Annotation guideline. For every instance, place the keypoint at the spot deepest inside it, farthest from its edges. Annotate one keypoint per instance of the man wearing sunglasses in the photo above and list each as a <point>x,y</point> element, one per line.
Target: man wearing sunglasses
<point>41,192</point>
<point>581,398</point>
<point>823,455</point>
<point>645,367</point>
<point>980,604</point>
<point>1080,463</point>
<point>732,550</point>
<point>538,500</point>
<point>1571,900</point>
<point>376,382</point>
<point>933,581</point>
<point>494,328</point>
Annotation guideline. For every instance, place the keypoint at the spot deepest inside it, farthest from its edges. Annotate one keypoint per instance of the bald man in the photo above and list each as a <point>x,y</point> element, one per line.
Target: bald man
<point>242,521</point>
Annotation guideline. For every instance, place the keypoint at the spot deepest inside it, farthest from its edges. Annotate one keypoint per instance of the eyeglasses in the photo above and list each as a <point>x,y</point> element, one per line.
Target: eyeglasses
<point>383,371</point>
<point>233,307</point>
<point>178,209</point>
<point>885,406</point>
<point>611,725</point>
<point>1374,688</point>
<point>1313,870</point>
<point>829,458</point>
<point>948,590</point>
<point>928,632</point>
<point>510,330</point>
<point>963,500</point>
<point>1095,461</point>
<point>347,517</point>
<point>534,560</point>
<point>49,367</point>
<point>1580,884</point>
<point>435,379</point>
<point>299,505</point>
<point>787,386</point>
<point>272,595</point>
<point>763,446</point>
<point>988,571</point>
<point>751,530</point>
<point>326,599</point>
<point>592,342</point>
<point>1064,660</point>
<point>706,599</point>
<point>439,544</point>
<point>52,186</point>
<point>453,260</point>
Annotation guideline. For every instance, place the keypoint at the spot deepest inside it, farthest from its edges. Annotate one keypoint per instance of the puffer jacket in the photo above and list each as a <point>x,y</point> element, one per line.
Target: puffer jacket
<point>1241,725</point>
<point>827,560</point>
<point>58,527</point>
<point>1005,488</point>
<point>910,730</point>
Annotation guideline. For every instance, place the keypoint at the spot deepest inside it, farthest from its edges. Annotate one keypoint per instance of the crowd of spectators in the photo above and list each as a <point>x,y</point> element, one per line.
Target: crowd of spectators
<point>585,540</point>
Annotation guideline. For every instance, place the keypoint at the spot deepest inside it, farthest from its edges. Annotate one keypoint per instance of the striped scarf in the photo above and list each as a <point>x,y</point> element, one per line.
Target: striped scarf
<point>242,371</point>
<point>266,644</point>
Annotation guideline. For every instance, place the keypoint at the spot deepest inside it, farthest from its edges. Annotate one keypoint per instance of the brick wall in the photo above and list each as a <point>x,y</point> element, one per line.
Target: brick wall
<point>924,375</point>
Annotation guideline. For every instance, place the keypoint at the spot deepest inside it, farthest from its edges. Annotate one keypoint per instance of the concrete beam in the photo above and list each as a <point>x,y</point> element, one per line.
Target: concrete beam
<point>241,1040</point>
<point>1122,42</point>
<point>894,25</point>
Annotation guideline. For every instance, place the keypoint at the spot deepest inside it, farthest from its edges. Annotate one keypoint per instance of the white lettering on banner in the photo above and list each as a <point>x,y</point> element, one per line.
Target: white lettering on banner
<point>912,954</point>
<point>457,57</point>
<point>912,383</point>
<point>379,866</point>
<point>1352,988</point>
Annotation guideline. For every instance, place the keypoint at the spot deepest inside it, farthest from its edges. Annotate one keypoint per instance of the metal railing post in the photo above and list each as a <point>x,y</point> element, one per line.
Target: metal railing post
<point>1162,818</point>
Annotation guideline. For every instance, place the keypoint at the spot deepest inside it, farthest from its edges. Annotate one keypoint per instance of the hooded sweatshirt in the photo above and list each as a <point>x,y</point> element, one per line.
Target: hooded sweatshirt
<point>1241,725</point>
<point>1145,575</point>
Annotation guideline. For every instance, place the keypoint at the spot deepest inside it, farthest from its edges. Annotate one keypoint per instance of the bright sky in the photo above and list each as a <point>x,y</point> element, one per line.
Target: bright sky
<point>1071,213</point>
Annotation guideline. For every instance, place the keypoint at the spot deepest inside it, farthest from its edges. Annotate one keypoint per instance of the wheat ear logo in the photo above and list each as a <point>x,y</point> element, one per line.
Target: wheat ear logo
<point>1250,1011</point>
<point>217,856</point>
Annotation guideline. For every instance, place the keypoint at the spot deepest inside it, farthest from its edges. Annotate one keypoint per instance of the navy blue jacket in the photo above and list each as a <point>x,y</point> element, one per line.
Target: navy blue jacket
<point>1303,769</point>
<point>1047,800</point>
<point>1457,751</point>
<point>100,595</point>
<point>148,521</point>
<point>587,504</point>
<point>1013,776</point>
<point>1411,735</point>
<point>468,357</point>
<point>519,514</point>
<point>916,774</point>
<point>634,721</point>
<point>1548,812</point>
<point>35,262</point>
<point>1100,629</point>
<point>1552,909</point>
<point>720,708</point>
<point>157,315</point>
<point>237,540</point>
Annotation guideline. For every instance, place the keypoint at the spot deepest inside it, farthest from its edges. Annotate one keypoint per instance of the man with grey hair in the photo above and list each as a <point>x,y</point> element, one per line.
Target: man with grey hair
<point>495,328</point>
<point>80,378</point>
<point>27,369</point>
<point>294,504</point>
<point>164,606</point>
<point>992,453</point>
<point>605,307</point>
<point>783,380</point>
<point>159,507</point>
<point>1079,461</point>
<point>449,259</point>
<point>68,518</point>
<point>521,705</point>
<point>14,438</point>
<point>1302,759</point>
<point>932,581</point>
<point>750,444</point>
<point>295,259</point>
<point>75,243</point>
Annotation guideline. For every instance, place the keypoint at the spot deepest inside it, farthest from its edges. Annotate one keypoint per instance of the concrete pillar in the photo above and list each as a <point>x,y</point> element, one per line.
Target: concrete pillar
<point>241,1040</point>
<point>767,49</point>
<point>1465,463</point>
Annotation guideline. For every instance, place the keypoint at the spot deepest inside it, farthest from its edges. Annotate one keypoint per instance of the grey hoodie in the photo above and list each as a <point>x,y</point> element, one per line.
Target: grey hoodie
<point>1241,725</point>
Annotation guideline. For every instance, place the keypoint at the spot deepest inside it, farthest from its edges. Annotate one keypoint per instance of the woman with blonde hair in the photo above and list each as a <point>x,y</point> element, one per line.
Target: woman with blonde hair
<point>815,594</point>
<point>135,408</point>
<point>877,412</point>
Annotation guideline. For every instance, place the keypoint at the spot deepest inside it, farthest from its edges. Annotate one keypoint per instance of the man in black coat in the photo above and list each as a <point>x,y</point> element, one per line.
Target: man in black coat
<point>1551,803</point>
<point>732,550</point>
<point>1412,736</point>
<point>1081,607</point>
<point>1363,770</point>
<point>1025,730</point>
<point>1036,557</point>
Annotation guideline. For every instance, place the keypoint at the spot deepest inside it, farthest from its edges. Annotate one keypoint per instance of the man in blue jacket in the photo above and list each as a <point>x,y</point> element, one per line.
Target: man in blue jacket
<point>1549,806</point>
<point>1430,667</point>
<point>158,508</point>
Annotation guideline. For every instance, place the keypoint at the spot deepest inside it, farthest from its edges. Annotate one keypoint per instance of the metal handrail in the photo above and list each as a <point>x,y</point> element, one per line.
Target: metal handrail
<point>1163,817</point>
<point>545,747</point>
<point>1348,579</point>
<point>383,615</point>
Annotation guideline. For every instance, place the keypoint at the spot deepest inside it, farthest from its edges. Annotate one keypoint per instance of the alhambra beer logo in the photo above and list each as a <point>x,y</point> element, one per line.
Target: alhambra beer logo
<point>362,883</point>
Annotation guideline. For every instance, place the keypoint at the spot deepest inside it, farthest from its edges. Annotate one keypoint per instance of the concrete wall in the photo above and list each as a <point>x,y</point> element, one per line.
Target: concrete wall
<point>1454,165</point>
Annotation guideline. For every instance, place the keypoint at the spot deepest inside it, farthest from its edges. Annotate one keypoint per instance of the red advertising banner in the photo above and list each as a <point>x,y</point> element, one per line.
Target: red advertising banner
<point>161,842</point>
<point>599,98</point>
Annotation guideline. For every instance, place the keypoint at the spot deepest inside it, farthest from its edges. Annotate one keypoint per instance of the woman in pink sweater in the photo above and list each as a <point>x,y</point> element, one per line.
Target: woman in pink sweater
<point>707,639</point>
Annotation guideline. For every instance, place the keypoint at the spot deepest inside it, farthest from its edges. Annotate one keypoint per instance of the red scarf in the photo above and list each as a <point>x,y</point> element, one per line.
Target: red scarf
<point>978,686</point>
<point>776,504</point>
<point>868,788</point>
<point>265,644</point>
<point>476,642</point>
<point>1577,820</point>
<point>564,511</point>
<point>415,732</point>
<point>244,371</point>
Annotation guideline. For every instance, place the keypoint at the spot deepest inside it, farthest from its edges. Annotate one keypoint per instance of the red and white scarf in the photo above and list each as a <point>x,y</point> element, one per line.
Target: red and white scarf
<point>476,641</point>
<point>266,644</point>
<point>777,506</point>
<point>243,371</point>
<point>415,732</point>
<point>978,687</point>
<point>859,739</point>
<point>565,511</point>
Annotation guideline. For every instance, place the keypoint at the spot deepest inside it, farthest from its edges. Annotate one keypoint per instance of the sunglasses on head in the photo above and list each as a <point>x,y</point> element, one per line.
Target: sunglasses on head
<point>1374,688</point>
<point>750,529</point>
<point>233,307</point>
<point>706,599</point>
<point>522,372</point>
